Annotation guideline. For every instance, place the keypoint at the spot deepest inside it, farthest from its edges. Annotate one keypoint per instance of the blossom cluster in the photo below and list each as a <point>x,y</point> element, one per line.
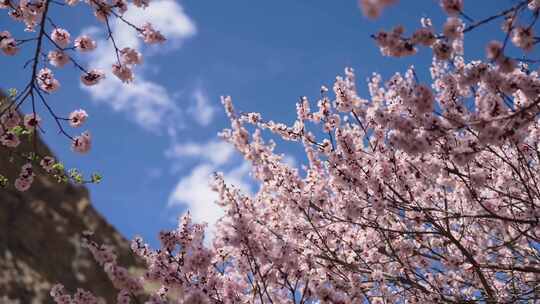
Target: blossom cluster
<point>448,44</point>
<point>56,47</point>
<point>416,193</point>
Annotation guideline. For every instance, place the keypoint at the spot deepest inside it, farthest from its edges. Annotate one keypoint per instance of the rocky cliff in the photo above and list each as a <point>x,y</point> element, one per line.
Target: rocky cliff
<point>40,238</point>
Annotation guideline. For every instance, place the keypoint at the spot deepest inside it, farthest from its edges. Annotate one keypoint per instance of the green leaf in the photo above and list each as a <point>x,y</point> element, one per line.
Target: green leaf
<point>58,167</point>
<point>3,181</point>
<point>96,178</point>
<point>17,130</point>
<point>12,92</point>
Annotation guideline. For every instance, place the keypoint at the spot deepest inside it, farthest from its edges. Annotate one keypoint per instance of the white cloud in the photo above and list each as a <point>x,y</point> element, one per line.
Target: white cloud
<point>193,192</point>
<point>202,111</point>
<point>216,151</point>
<point>149,103</point>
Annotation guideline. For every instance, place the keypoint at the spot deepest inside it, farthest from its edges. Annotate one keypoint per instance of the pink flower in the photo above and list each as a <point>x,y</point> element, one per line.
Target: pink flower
<point>442,50</point>
<point>121,5</point>
<point>23,184</point>
<point>373,8</point>
<point>150,35</point>
<point>8,44</point>
<point>534,5</point>
<point>27,171</point>
<point>61,37</point>
<point>453,28</point>
<point>196,297</point>
<point>46,80</point>
<point>102,12</point>
<point>77,118</point>
<point>494,50</point>
<point>85,44</point>
<point>17,14</point>
<point>130,56</point>
<point>507,65</point>
<point>123,72</point>
<point>31,121</point>
<point>124,297</point>
<point>10,119</point>
<point>523,38</point>
<point>47,163</point>
<point>82,143</point>
<point>4,4</point>
<point>10,140</point>
<point>57,291</point>
<point>58,58</point>
<point>452,7</point>
<point>141,3</point>
<point>10,47</point>
<point>423,36</point>
<point>92,77</point>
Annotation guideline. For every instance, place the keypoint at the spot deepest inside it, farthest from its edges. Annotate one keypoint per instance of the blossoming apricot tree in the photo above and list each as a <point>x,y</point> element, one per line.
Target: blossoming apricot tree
<point>419,193</point>
<point>54,47</point>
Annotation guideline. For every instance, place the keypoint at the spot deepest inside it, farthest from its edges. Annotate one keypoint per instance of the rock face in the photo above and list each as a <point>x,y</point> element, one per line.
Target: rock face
<point>40,238</point>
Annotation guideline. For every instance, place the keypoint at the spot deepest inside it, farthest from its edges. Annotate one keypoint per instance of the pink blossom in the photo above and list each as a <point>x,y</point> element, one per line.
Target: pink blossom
<point>123,72</point>
<point>452,7</point>
<point>23,184</point>
<point>124,297</point>
<point>82,143</point>
<point>4,4</point>
<point>10,119</point>
<point>8,43</point>
<point>196,297</point>
<point>373,8</point>
<point>85,44</point>
<point>47,163</point>
<point>9,139</point>
<point>130,56</point>
<point>120,5</point>
<point>412,190</point>
<point>77,118</point>
<point>393,44</point>
<point>17,14</point>
<point>442,50</point>
<point>58,58</point>
<point>46,80</point>
<point>534,5</point>
<point>9,47</point>
<point>453,28</point>
<point>141,3</point>
<point>494,50</point>
<point>523,38</point>
<point>102,11</point>
<point>28,12</point>
<point>423,36</point>
<point>150,35</point>
<point>26,171</point>
<point>81,296</point>
<point>92,77</point>
<point>61,37</point>
<point>31,121</point>
<point>507,65</point>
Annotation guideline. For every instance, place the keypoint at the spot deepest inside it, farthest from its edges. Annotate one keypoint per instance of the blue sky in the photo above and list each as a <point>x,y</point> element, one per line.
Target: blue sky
<point>155,146</point>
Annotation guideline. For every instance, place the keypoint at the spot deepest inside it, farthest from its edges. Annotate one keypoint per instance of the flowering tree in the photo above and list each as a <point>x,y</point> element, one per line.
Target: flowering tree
<point>420,192</point>
<point>53,48</point>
